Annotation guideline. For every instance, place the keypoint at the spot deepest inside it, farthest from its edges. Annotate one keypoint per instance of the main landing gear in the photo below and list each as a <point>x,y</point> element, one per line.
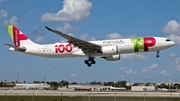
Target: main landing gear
<point>157,54</point>
<point>90,61</point>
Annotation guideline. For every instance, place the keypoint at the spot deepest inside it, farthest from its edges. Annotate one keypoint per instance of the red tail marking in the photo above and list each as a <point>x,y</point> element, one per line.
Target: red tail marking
<point>18,36</point>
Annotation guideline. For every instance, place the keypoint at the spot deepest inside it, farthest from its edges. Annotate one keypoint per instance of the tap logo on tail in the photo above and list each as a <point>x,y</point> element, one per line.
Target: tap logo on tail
<point>16,35</point>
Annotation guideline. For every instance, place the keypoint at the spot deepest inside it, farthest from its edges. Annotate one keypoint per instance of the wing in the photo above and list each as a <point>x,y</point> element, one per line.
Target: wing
<point>84,45</point>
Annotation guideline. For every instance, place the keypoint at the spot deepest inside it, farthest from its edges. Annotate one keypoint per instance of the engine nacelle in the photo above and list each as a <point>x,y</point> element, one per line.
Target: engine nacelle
<point>110,50</point>
<point>112,58</point>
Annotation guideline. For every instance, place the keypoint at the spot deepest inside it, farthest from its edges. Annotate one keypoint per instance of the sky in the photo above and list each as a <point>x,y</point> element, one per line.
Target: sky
<point>91,20</point>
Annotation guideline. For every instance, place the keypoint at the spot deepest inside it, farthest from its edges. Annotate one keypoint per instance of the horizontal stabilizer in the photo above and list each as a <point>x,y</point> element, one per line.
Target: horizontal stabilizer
<point>22,49</point>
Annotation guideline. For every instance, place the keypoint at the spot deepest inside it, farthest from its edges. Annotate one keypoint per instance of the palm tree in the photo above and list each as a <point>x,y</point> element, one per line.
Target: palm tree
<point>1,83</point>
<point>12,83</point>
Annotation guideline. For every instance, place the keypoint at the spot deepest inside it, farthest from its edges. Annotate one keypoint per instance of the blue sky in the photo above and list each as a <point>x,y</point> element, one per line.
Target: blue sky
<point>91,20</point>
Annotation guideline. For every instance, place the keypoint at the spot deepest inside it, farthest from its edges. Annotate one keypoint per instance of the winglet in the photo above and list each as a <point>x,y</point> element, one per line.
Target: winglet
<point>48,28</point>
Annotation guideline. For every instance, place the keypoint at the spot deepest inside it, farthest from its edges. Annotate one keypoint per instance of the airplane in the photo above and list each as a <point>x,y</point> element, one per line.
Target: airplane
<point>117,89</point>
<point>107,49</point>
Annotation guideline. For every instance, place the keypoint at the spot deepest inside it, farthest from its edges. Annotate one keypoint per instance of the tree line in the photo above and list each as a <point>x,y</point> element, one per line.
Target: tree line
<point>63,83</point>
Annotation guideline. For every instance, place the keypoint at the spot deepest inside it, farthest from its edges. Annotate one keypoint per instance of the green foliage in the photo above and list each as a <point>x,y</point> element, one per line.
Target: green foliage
<point>54,100</point>
<point>56,84</point>
<point>128,87</point>
<point>94,82</point>
<point>20,100</point>
<point>109,84</point>
<point>57,100</point>
<point>121,83</point>
<point>177,85</point>
<point>74,83</point>
<point>147,84</point>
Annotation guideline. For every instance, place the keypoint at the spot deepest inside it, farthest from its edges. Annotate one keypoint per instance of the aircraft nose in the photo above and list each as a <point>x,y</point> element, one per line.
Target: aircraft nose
<point>173,43</point>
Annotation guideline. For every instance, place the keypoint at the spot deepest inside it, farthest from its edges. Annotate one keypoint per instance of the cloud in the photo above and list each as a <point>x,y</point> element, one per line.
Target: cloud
<point>71,34</point>
<point>172,27</point>
<point>134,57</point>
<point>73,75</point>
<point>128,72</point>
<point>73,10</point>
<point>177,67</point>
<point>16,71</point>
<point>38,32</point>
<point>30,12</point>
<point>122,75</point>
<point>174,38</point>
<point>62,40</point>
<point>3,0</point>
<point>118,36</point>
<point>150,69</point>
<point>50,68</point>
<point>3,13</point>
<point>67,28</point>
<point>145,22</point>
<point>11,21</point>
<point>39,39</point>
<point>172,55</point>
<point>176,61</point>
<point>10,62</point>
<point>164,73</point>
<point>87,38</point>
<point>123,68</point>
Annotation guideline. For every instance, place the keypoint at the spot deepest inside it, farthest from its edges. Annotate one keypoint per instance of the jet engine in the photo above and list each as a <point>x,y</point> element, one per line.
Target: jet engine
<point>112,58</point>
<point>110,50</point>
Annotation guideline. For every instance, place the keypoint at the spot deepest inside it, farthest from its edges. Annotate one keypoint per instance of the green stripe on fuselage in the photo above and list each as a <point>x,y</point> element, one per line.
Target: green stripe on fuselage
<point>138,43</point>
<point>10,30</point>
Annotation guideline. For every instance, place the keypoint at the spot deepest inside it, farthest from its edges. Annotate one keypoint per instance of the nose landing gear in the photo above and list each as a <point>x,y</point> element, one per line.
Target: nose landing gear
<point>90,61</point>
<point>157,54</point>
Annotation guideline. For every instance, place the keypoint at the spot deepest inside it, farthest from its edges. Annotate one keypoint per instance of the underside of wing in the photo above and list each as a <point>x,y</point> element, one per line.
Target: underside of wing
<point>84,45</point>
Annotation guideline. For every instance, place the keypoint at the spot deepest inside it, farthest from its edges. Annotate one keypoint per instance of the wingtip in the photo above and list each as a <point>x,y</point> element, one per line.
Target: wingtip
<point>48,28</point>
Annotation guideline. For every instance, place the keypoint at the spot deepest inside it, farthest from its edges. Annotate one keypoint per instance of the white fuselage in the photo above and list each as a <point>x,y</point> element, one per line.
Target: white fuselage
<point>122,46</point>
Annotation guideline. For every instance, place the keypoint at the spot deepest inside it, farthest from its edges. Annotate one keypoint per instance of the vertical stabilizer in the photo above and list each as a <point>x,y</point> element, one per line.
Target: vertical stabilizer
<point>18,37</point>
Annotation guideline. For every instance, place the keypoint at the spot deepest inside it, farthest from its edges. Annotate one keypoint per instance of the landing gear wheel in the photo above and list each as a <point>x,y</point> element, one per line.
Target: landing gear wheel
<point>90,61</point>
<point>86,61</point>
<point>89,64</point>
<point>93,62</point>
<point>157,54</point>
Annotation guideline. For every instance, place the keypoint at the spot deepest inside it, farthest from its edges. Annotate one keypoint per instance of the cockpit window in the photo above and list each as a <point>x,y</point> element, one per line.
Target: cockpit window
<point>168,40</point>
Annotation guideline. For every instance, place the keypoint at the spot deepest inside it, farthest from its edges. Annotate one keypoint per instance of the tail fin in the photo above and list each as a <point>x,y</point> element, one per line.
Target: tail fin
<point>156,88</point>
<point>18,37</point>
